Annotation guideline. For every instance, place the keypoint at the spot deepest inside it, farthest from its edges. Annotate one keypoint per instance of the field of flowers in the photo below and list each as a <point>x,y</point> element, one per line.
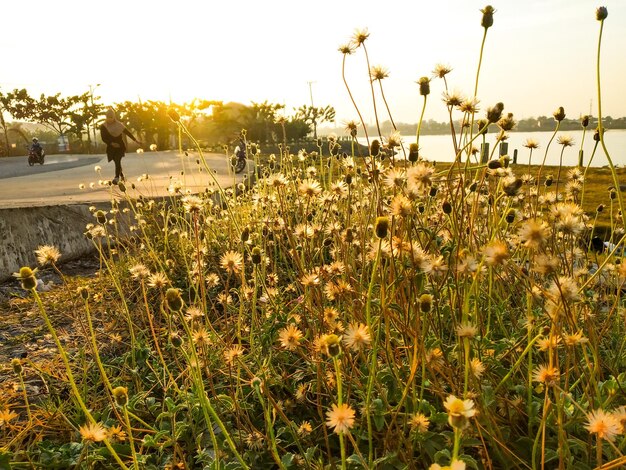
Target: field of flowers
<point>342,311</point>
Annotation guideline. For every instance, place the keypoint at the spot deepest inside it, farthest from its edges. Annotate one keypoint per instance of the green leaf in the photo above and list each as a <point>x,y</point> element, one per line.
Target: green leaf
<point>287,460</point>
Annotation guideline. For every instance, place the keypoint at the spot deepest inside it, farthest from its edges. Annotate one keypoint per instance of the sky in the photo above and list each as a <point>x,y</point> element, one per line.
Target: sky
<point>538,55</point>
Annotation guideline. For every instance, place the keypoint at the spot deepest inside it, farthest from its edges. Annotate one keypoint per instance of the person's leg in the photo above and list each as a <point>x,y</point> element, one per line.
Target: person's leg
<point>118,169</point>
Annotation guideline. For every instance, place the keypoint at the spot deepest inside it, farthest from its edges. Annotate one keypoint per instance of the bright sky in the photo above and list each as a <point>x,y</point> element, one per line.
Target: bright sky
<point>539,54</point>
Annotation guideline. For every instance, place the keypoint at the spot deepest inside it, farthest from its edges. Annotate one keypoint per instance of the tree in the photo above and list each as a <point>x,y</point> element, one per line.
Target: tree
<point>313,115</point>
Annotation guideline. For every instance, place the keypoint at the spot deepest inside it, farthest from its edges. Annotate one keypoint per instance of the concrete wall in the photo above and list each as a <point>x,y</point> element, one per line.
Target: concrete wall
<point>23,230</point>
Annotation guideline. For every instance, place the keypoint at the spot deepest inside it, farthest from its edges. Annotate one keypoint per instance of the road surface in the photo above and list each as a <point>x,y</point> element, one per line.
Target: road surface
<point>72,179</point>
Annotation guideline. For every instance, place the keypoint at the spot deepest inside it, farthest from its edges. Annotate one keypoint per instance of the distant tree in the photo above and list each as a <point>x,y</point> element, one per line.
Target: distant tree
<point>313,115</point>
<point>260,121</point>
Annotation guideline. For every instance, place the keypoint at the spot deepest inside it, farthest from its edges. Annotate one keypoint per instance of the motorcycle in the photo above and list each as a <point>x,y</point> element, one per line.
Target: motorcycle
<point>35,156</point>
<point>239,162</point>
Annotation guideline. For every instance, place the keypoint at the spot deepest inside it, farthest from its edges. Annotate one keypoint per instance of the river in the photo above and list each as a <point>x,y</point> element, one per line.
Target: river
<point>439,147</point>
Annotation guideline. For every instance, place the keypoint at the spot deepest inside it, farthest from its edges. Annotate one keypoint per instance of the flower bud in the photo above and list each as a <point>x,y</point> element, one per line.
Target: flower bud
<point>424,84</point>
<point>348,179</point>
<point>333,345</point>
<point>381,227</point>
<point>612,194</point>
<point>27,278</point>
<point>176,340</point>
<point>245,234</point>
<point>549,181</point>
<point>83,292</point>
<point>600,208</point>
<point>256,255</point>
<point>121,186</point>
<point>256,382</point>
<point>413,153</point>
<point>559,114</point>
<point>120,394</point>
<point>433,191</point>
<point>601,13</point>
<point>584,121</point>
<point>421,208</point>
<point>494,164</point>
<point>173,299</point>
<point>510,216</point>
<point>17,366</point>
<point>101,217</point>
<point>426,302</point>
<point>375,148</point>
<point>487,19</point>
<point>446,207</point>
<point>495,113</point>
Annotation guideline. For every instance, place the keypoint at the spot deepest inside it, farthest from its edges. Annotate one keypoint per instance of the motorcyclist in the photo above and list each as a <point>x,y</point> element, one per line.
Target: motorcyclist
<point>36,147</point>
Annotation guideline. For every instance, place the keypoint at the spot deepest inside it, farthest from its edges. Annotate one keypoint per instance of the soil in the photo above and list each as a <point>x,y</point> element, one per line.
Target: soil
<point>23,333</point>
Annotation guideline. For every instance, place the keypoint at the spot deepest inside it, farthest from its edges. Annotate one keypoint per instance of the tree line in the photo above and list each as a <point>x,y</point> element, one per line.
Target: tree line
<point>214,123</point>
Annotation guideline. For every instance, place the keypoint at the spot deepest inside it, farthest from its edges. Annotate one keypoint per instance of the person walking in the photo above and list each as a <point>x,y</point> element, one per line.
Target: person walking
<point>114,134</point>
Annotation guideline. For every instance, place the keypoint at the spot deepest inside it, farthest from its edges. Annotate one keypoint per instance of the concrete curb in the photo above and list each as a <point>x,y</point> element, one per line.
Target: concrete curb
<point>23,230</point>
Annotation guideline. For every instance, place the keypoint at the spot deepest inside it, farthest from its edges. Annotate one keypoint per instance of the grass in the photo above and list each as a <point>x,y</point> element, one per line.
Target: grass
<point>343,312</point>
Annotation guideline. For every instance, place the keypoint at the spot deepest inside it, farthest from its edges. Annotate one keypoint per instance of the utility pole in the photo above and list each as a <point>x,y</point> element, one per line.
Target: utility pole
<point>91,120</point>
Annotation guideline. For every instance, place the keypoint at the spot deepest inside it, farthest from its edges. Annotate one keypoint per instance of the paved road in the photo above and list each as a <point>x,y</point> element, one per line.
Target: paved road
<point>60,179</point>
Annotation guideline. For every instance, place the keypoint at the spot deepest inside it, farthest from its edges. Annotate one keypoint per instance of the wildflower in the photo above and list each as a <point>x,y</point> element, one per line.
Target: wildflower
<point>27,278</point>
<point>97,168</point>
<point>496,253</point>
<point>309,188</point>
<point>506,123</point>
<point>305,428</point>
<point>120,394</point>
<point>565,140</point>
<point>574,339</point>
<point>419,422</point>
<point>341,418</point>
<point>603,424</point>
<point>419,177</point>
<point>93,432</point>
<point>441,70</point>
<point>531,144</point>
<point>546,374</point>
<point>6,415</point>
<point>477,367</point>
<point>360,36</point>
<point>401,206</point>
<point>466,330</point>
<point>290,337</point>
<point>339,188</point>
<point>158,280</point>
<point>533,233</point>
<point>394,140</point>
<point>378,72</point>
<point>201,338</point>
<point>459,411</point>
<point>346,49</point>
<point>232,261</point>
<point>153,147</point>
<point>310,279</point>
<point>255,440</point>
<point>452,99</point>
<point>231,354</point>
<point>117,434</point>
<point>192,204</point>
<point>47,254</point>
<point>357,336</point>
<point>351,127</point>
<point>139,271</point>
